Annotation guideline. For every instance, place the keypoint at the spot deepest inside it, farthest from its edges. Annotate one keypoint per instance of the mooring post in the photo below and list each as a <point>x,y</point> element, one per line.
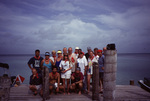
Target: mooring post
<point>95,82</point>
<point>110,68</point>
<point>45,78</point>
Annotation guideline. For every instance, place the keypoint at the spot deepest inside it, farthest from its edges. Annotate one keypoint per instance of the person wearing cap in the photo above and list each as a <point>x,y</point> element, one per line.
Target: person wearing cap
<point>77,80</point>
<point>72,59</point>
<point>82,63</point>
<point>95,53</point>
<point>88,53</point>
<point>53,57</point>
<point>91,59</point>
<point>35,61</point>
<point>47,62</point>
<point>65,67</point>
<point>101,69</point>
<point>76,52</point>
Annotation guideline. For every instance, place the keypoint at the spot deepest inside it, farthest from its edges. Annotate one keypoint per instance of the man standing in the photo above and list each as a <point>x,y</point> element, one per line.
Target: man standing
<point>72,59</point>
<point>35,61</point>
<point>101,69</point>
<point>88,53</point>
<point>64,51</point>
<point>82,63</point>
<point>76,52</point>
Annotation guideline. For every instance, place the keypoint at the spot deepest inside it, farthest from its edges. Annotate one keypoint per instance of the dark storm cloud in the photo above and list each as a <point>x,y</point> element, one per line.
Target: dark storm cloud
<point>26,25</point>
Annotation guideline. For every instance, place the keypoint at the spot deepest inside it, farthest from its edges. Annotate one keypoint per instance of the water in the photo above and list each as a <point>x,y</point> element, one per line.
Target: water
<point>129,67</point>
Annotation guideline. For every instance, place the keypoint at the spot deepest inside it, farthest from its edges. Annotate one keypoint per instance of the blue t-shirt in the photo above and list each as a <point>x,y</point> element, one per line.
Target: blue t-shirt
<point>101,63</point>
<point>36,62</point>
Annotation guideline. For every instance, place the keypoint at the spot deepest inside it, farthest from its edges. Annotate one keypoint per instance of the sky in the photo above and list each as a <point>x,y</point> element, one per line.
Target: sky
<point>27,25</point>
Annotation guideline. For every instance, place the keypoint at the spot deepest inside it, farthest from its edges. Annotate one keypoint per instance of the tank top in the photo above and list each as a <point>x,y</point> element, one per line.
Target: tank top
<point>57,65</point>
<point>49,66</point>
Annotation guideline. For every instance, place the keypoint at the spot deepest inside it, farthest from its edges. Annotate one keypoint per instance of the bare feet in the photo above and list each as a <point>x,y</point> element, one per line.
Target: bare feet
<point>35,93</point>
<point>79,93</point>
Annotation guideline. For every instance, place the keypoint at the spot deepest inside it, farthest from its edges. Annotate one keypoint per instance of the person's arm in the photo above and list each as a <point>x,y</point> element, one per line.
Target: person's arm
<point>81,79</point>
<point>70,67</point>
<point>86,66</point>
<point>79,82</point>
<point>29,65</point>
<point>53,63</point>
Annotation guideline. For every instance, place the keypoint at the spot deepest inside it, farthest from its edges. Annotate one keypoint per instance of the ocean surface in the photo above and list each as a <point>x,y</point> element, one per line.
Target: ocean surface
<point>129,67</point>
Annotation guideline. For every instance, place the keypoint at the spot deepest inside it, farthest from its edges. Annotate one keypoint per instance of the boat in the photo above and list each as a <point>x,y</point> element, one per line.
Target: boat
<point>145,84</point>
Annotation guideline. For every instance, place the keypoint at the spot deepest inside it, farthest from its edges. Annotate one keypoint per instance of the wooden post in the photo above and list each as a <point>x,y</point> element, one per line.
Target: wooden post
<point>110,68</point>
<point>5,83</point>
<point>131,82</point>
<point>95,82</point>
<point>45,78</point>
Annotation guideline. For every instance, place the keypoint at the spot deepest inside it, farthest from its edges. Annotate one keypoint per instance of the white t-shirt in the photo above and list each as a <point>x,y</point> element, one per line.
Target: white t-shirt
<point>65,65</point>
<point>97,57</point>
<point>82,62</point>
<point>90,64</point>
<point>76,55</point>
<point>52,58</point>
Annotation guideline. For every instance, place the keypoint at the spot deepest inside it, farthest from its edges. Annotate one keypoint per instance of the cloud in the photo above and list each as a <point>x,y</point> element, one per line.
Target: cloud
<point>56,24</point>
<point>64,5</point>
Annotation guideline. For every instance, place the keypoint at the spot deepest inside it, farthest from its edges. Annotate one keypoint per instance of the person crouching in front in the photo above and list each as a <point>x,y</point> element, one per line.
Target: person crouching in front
<point>54,78</point>
<point>35,82</point>
<point>77,80</point>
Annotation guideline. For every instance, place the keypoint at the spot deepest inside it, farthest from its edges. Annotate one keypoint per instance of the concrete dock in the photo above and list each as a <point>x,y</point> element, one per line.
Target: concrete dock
<point>123,93</point>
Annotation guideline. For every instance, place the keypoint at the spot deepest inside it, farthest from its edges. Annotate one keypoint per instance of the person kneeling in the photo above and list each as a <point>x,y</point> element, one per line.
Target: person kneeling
<point>77,80</point>
<point>54,78</point>
<point>35,82</point>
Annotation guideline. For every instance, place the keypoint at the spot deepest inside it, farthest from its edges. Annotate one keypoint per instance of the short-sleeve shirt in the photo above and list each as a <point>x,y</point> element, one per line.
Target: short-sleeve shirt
<point>78,77</point>
<point>101,63</point>
<point>82,62</point>
<point>35,62</point>
<point>65,65</point>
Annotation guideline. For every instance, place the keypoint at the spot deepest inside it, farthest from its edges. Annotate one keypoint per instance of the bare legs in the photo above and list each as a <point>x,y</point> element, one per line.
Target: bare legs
<point>68,85</point>
<point>88,82</point>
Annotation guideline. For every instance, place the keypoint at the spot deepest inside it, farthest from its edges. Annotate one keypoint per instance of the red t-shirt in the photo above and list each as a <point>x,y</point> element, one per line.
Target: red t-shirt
<point>78,77</point>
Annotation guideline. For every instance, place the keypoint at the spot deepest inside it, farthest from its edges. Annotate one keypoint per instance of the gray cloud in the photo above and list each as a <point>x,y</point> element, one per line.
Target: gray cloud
<point>28,25</point>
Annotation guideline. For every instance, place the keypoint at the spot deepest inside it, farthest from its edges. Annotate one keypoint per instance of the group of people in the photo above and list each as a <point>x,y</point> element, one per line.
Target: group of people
<point>65,66</point>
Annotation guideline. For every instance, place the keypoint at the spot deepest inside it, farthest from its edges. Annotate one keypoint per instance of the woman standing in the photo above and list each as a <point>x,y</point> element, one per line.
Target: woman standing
<point>58,60</point>
<point>47,62</point>
<point>65,68</point>
<point>91,59</point>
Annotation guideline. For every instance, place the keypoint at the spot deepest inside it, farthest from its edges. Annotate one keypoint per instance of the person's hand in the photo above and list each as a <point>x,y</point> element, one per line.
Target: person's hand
<point>73,84</point>
<point>57,90</point>
<point>102,68</point>
<point>64,71</point>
